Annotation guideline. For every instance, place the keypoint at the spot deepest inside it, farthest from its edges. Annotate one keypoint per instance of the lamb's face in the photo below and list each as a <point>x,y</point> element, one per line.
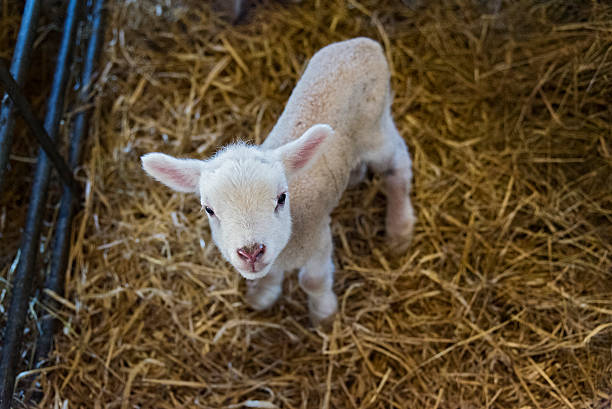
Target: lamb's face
<point>244,191</point>
<point>245,195</point>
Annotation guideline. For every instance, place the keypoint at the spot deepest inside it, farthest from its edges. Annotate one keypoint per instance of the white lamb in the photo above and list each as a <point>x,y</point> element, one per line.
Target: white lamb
<point>269,206</point>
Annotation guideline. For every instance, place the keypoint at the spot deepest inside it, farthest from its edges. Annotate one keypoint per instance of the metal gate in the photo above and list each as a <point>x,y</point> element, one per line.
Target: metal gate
<point>83,23</point>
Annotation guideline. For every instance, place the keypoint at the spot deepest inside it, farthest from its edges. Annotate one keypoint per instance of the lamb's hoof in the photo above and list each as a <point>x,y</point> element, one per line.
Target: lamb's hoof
<point>262,298</point>
<point>399,235</point>
<point>322,309</point>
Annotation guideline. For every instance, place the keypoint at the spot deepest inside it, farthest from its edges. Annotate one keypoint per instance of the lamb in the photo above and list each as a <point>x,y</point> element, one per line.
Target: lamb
<point>269,206</point>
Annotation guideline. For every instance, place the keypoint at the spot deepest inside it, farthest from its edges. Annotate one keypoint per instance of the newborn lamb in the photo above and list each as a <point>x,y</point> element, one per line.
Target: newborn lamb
<point>269,206</point>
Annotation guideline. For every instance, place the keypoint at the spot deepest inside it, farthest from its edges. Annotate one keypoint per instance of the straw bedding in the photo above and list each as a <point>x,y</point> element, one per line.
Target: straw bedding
<point>505,296</point>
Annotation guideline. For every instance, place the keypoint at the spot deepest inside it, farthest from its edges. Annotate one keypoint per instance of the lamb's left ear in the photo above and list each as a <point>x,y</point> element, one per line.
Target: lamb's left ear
<point>301,153</point>
<point>179,174</point>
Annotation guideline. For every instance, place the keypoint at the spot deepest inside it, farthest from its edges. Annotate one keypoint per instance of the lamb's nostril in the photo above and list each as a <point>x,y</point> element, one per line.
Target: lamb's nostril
<point>251,253</point>
<point>259,251</point>
<point>243,255</point>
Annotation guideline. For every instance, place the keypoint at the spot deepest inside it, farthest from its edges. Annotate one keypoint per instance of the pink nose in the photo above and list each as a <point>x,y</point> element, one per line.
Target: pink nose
<point>251,253</point>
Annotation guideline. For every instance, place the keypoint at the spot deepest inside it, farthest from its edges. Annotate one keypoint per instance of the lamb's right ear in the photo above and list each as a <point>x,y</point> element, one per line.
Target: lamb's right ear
<point>179,174</point>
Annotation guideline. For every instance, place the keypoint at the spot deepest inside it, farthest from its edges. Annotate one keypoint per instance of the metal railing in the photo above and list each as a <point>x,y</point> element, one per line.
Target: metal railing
<point>14,102</point>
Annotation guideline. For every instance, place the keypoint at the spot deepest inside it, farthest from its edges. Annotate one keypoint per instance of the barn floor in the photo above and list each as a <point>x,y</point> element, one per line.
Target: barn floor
<point>504,298</point>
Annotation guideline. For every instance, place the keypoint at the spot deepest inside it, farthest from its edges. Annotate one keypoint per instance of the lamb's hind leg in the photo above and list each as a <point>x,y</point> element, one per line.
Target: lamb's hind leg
<point>392,160</point>
<point>317,278</point>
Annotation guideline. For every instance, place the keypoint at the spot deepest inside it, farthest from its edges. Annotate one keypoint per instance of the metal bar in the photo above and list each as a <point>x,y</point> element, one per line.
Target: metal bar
<point>36,127</point>
<point>21,57</point>
<point>22,282</point>
<point>55,278</point>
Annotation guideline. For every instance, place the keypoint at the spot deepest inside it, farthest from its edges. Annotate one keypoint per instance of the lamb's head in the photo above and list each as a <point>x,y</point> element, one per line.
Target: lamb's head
<point>244,191</point>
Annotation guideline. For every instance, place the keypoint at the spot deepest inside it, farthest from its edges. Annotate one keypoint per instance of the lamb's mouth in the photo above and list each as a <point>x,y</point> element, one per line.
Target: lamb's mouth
<point>265,269</point>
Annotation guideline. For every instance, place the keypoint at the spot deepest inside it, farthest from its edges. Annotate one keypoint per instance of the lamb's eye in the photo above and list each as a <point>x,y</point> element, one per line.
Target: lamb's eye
<point>209,210</point>
<point>280,201</point>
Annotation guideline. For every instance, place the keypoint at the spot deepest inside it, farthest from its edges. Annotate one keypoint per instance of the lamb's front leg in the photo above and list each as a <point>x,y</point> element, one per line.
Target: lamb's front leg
<point>317,279</point>
<point>263,293</point>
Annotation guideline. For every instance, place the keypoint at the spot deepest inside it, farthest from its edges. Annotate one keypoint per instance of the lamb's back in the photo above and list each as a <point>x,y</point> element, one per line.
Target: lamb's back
<point>345,85</point>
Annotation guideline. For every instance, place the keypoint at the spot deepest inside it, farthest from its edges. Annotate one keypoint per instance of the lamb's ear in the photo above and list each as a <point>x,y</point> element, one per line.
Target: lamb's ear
<point>179,174</point>
<point>301,153</point>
